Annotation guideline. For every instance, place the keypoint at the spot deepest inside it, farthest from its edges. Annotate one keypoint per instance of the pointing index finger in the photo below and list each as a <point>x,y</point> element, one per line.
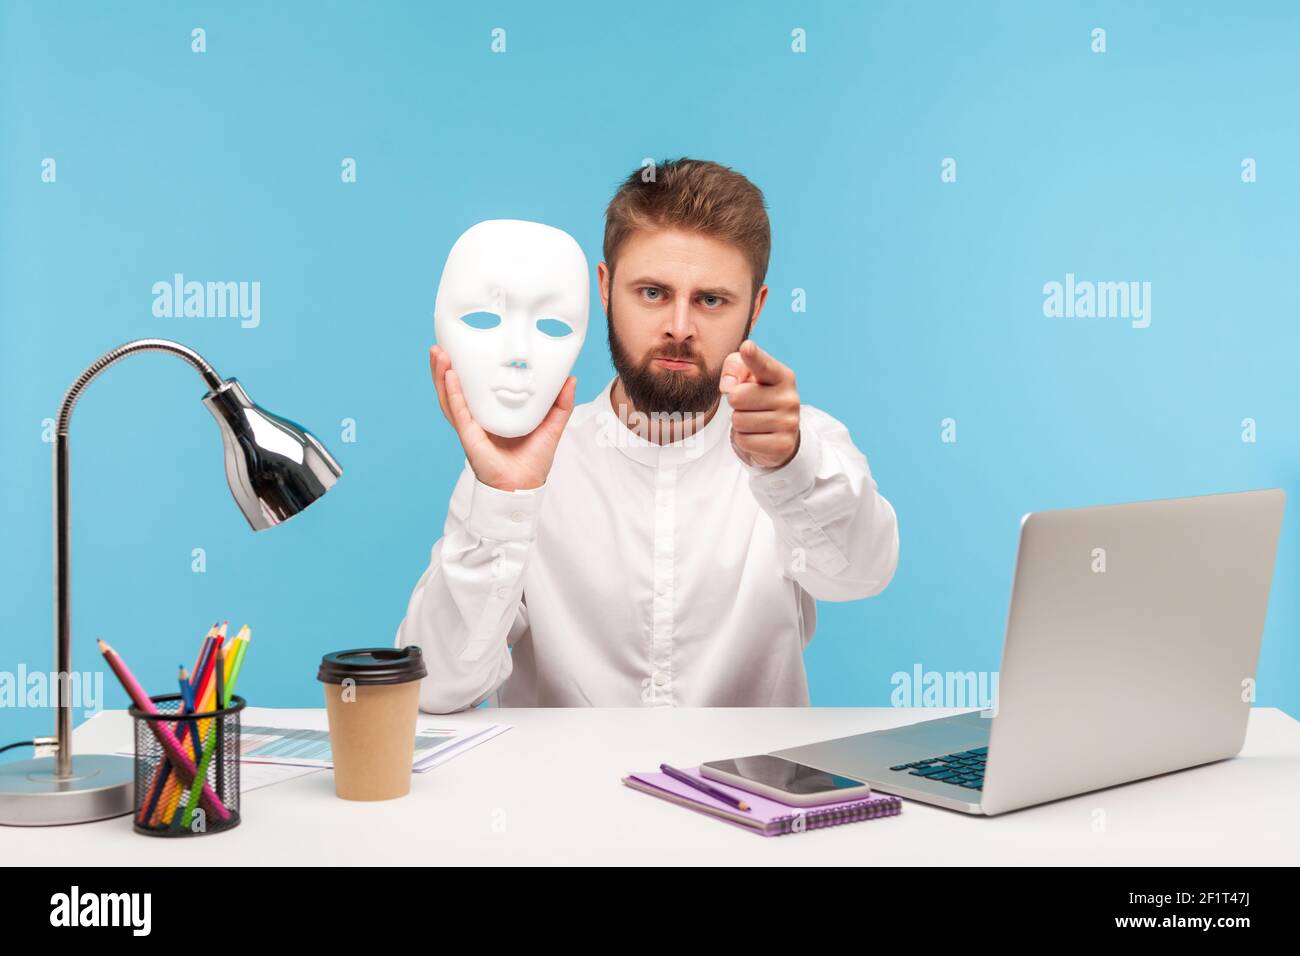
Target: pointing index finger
<point>767,370</point>
<point>734,371</point>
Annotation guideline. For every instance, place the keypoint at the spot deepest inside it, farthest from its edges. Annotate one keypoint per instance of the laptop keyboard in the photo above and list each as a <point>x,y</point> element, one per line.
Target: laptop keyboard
<point>962,769</point>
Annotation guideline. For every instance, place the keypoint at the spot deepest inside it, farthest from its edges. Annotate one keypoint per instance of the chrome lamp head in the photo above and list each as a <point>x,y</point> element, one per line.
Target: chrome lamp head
<point>275,467</point>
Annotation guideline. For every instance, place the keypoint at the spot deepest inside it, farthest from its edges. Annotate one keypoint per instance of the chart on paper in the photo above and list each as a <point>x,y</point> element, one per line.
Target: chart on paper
<point>286,744</point>
<point>300,738</point>
<point>306,741</point>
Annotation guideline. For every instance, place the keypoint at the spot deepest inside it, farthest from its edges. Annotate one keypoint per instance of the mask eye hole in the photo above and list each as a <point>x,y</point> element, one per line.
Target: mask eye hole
<point>554,328</point>
<point>481,320</point>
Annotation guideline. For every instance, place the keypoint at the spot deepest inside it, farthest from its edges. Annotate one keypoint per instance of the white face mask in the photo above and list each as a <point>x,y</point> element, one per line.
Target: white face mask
<point>512,314</point>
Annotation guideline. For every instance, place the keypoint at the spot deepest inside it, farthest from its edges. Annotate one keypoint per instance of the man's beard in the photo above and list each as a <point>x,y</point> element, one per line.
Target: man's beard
<point>664,391</point>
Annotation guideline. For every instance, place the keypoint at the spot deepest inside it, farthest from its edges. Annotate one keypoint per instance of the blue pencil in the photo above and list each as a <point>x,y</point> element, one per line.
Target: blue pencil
<point>187,697</point>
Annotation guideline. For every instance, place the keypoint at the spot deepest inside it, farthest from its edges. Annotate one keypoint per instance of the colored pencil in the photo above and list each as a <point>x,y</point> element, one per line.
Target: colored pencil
<point>171,788</point>
<point>211,746</point>
<point>232,650</point>
<point>221,721</point>
<point>150,802</point>
<point>203,703</point>
<point>241,647</point>
<point>162,773</point>
<point>704,787</point>
<point>184,767</point>
<point>240,650</point>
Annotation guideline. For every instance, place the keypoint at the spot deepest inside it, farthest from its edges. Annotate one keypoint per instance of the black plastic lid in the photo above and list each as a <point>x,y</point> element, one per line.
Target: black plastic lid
<point>373,665</point>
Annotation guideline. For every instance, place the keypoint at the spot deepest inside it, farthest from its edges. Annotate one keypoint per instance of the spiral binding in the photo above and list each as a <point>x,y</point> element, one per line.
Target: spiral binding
<point>815,819</point>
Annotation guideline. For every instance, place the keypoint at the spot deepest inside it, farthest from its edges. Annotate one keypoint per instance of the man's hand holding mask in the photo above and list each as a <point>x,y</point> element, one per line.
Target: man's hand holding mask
<point>511,314</point>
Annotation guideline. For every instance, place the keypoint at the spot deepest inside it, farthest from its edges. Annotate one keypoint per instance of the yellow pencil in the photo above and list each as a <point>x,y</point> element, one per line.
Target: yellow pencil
<point>235,668</point>
<point>232,651</point>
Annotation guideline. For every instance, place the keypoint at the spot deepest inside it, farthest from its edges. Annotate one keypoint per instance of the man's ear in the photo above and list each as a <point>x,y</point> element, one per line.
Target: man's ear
<point>759,298</point>
<point>603,276</point>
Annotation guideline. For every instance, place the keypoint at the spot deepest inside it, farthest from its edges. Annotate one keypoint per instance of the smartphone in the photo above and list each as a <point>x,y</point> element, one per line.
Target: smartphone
<point>784,780</point>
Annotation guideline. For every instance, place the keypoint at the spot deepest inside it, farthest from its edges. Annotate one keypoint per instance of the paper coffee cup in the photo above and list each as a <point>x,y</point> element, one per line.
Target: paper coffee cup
<point>372,696</point>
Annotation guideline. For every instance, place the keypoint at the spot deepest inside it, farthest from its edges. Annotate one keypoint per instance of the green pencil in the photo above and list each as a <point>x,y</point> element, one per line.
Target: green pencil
<point>208,748</point>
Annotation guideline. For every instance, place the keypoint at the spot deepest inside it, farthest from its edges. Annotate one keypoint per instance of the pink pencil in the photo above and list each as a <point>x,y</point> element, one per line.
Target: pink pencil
<point>180,761</point>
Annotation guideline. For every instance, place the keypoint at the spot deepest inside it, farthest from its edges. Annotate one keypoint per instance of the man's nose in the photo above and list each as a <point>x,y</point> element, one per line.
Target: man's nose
<point>681,324</point>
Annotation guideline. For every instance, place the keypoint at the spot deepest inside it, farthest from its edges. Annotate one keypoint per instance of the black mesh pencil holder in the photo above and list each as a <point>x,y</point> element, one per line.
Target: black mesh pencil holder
<point>167,801</point>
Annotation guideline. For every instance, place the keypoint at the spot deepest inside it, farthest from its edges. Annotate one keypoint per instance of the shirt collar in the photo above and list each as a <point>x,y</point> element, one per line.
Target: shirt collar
<point>655,455</point>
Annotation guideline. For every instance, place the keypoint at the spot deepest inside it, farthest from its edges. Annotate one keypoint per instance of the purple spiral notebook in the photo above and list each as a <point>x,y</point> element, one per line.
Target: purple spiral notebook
<point>766,816</point>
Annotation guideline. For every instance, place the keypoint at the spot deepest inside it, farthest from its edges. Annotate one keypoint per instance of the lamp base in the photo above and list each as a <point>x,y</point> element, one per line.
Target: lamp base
<point>101,786</point>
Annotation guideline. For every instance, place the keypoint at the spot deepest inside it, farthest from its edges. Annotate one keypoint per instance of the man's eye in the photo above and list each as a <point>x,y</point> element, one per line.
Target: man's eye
<point>651,294</point>
<point>711,301</point>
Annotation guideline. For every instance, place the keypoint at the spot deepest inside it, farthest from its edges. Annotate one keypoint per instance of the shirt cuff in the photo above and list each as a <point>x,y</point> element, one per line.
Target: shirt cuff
<point>793,479</point>
<point>503,515</point>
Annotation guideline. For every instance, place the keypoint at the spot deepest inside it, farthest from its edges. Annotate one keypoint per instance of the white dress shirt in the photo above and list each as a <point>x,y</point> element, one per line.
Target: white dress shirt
<point>643,574</point>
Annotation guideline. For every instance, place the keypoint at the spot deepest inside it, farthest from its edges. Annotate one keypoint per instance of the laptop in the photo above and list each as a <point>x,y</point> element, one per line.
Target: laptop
<point>1130,651</point>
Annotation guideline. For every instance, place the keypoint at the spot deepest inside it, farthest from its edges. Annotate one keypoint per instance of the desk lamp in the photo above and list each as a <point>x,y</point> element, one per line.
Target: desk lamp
<point>275,469</point>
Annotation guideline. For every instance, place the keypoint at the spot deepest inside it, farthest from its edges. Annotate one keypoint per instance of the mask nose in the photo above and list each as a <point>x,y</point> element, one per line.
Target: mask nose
<point>517,344</point>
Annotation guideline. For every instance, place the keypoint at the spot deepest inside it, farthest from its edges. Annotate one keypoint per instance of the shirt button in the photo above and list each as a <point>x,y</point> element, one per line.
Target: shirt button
<point>779,483</point>
<point>503,593</point>
<point>517,517</point>
<point>660,678</point>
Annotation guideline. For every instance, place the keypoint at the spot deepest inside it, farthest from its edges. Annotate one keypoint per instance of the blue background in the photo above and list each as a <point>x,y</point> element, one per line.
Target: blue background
<point>924,298</point>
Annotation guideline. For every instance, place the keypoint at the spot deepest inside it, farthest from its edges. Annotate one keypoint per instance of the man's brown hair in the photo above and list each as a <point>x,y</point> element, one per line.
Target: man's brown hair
<point>692,194</point>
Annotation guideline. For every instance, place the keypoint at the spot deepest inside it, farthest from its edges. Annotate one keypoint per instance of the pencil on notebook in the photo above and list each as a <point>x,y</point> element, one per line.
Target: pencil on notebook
<point>704,787</point>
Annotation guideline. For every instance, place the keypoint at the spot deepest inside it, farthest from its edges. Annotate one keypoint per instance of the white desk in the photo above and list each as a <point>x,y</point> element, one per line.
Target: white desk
<point>549,791</point>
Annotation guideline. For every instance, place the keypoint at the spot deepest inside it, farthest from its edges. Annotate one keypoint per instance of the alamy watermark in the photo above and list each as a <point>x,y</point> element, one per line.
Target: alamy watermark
<point>84,689</point>
<point>1085,299</point>
<point>75,908</point>
<point>660,428</point>
<point>180,298</point>
<point>922,688</point>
